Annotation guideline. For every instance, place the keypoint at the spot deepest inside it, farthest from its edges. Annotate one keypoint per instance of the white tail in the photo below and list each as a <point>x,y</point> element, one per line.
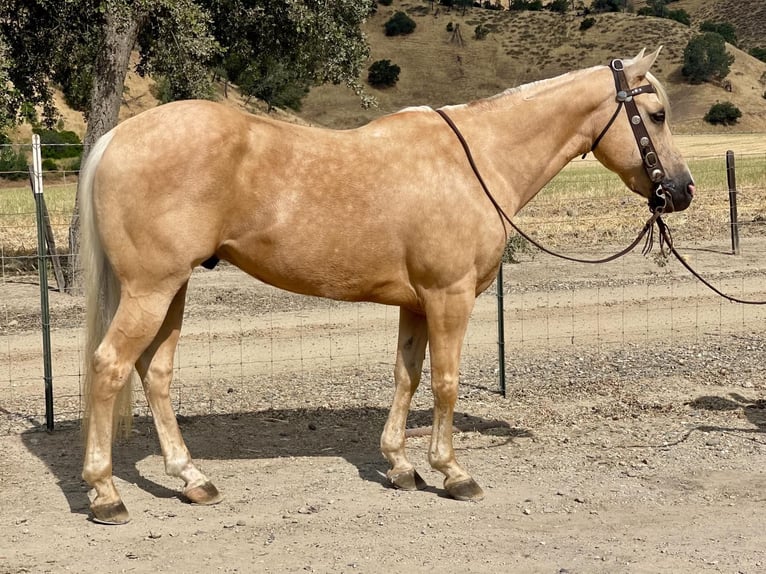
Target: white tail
<point>102,291</point>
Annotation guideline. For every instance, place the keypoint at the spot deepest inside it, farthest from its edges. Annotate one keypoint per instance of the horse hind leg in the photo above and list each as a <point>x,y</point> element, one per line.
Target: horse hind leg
<point>155,368</point>
<point>133,328</point>
<point>411,346</point>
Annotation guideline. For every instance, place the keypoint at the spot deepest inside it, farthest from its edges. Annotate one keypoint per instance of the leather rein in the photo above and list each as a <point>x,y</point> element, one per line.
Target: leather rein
<point>652,167</point>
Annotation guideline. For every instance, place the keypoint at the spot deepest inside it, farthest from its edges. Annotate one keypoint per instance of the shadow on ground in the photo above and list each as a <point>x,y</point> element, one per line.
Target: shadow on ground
<point>351,433</point>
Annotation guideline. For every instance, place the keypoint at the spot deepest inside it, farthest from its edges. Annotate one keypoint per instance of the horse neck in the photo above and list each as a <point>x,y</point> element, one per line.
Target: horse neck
<point>523,137</point>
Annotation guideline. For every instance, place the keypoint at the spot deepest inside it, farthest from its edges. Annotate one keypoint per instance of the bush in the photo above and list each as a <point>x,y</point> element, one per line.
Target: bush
<point>724,113</point>
<point>399,24</point>
<point>13,163</point>
<point>480,32</point>
<point>759,53</point>
<point>681,16</point>
<point>516,246</point>
<point>559,6</point>
<point>705,58</point>
<point>608,5</point>
<point>530,5</point>
<point>724,29</point>
<point>587,23</point>
<point>383,73</point>
<point>59,144</point>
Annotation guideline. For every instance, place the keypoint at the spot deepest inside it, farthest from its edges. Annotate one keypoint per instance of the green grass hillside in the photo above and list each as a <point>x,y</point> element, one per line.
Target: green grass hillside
<point>440,67</point>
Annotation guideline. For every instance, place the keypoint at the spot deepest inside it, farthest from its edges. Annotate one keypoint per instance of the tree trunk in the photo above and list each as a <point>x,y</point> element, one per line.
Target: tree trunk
<point>121,29</point>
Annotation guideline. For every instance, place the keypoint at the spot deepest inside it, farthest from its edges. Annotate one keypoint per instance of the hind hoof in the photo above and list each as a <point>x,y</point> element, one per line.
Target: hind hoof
<point>408,480</point>
<point>206,494</point>
<point>467,490</point>
<point>112,514</point>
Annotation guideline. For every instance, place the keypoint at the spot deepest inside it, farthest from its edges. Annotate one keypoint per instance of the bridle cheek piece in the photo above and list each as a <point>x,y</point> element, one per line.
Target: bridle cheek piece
<point>651,161</point>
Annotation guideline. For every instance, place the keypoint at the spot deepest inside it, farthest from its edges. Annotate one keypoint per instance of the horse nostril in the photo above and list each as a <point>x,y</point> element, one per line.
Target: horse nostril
<point>691,188</point>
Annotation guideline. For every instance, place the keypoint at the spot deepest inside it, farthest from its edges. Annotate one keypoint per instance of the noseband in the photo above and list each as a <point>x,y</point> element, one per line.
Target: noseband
<point>651,161</point>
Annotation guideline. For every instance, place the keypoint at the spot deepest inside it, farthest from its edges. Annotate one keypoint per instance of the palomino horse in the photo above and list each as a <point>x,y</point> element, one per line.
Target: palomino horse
<point>391,212</point>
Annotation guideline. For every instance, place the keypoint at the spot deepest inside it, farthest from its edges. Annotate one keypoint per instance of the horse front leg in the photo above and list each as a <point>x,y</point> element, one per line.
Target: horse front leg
<point>410,352</point>
<point>155,368</point>
<point>448,317</point>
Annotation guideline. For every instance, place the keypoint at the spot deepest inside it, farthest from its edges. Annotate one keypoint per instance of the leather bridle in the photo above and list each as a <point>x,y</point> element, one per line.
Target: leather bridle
<point>652,166</point>
<point>650,158</point>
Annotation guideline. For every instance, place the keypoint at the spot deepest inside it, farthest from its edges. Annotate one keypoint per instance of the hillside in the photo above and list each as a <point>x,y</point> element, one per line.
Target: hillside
<point>438,69</point>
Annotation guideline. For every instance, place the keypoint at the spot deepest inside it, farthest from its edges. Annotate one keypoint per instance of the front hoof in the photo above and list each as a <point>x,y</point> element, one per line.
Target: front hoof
<point>465,490</point>
<point>205,494</point>
<point>113,514</point>
<point>408,480</point>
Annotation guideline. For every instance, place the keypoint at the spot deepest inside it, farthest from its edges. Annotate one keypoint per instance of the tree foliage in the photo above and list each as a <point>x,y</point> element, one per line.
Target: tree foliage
<point>659,9</point>
<point>705,58</point>
<point>277,50</point>
<point>47,42</point>
<point>58,42</point>
<point>725,29</point>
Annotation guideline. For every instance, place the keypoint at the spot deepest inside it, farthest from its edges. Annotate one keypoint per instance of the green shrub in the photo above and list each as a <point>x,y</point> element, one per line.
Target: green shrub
<point>59,144</point>
<point>587,23</point>
<point>559,6</point>
<point>759,53</point>
<point>530,5</point>
<point>383,73</point>
<point>399,24</point>
<point>724,113</point>
<point>681,16</point>
<point>608,5</point>
<point>724,29</point>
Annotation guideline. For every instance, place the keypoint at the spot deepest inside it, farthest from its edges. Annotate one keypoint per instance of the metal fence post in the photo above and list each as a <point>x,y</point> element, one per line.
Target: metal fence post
<point>731,178</point>
<point>500,330</point>
<point>37,188</point>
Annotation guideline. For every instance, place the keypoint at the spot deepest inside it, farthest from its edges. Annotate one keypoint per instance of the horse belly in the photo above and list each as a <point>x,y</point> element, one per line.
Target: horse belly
<point>342,274</point>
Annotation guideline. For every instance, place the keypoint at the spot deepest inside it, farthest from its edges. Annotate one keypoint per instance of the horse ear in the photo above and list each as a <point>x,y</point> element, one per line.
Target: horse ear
<point>637,68</point>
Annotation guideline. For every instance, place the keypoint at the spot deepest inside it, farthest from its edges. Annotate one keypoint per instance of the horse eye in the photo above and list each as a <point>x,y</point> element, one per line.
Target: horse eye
<point>658,117</point>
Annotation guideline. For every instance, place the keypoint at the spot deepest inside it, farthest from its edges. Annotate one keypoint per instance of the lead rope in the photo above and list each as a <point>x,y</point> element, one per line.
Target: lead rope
<point>648,226</point>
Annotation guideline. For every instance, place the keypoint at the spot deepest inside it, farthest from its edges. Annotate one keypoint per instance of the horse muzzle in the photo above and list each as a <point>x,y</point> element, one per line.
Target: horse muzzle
<point>669,196</point>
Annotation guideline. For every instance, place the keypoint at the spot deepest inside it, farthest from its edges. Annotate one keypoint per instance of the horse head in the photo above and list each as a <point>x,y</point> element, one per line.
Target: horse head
<point>638,145</point>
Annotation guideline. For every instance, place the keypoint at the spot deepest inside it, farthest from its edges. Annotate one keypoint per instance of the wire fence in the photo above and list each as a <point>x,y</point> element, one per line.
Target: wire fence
<point>247,346</point>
